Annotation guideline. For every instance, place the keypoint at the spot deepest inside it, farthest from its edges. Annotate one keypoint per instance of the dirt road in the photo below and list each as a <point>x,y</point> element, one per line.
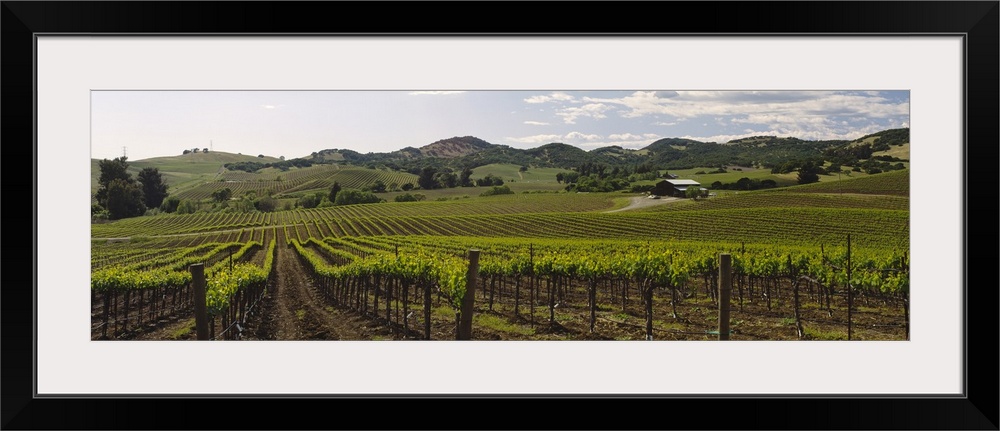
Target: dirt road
<point>643,202</point>
<point>293,308</point>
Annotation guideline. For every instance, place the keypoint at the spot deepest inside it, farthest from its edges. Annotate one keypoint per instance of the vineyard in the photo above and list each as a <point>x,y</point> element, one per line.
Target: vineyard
<point>806,264</point>
<point>274,181</point>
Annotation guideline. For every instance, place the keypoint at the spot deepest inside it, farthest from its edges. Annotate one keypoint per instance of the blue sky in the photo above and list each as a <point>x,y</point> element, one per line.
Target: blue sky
<point>297,123</point>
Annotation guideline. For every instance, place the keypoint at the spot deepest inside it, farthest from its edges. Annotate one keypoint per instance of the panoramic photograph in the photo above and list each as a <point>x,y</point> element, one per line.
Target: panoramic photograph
<point>556,215</point>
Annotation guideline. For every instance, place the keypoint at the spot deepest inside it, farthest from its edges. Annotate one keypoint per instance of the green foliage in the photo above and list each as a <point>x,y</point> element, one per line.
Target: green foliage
<point>407,197</point>
<point>154,190</point>
<point>378,186</point>
<point>124,199</point>
<point>594,183</point>
<point>119,193</point>
<point>745,184</point>
<point>222,195</point>
<point>311,200</point>
<point>266,204</point>
<point>464,179</point>
<point>808,173</point>
<point>446,179</point>
<point>170,204</point>
<point>245,166</point>
<point>186,207</point>
<point>334,189</point>
<point>497,190</point>
<point>489,180</point>
<point>113,169</point>
<point>354,196</point>
<point>427,180</point>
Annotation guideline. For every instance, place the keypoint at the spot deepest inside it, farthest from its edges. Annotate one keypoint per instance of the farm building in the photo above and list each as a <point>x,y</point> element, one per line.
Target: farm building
<point>676,188</point>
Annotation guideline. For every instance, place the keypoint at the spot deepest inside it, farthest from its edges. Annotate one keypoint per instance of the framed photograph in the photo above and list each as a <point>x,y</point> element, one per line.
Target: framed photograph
<point>75,70</point>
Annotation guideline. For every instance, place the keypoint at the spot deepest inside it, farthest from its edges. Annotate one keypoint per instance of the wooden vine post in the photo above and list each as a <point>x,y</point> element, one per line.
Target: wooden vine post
<point>468,300</point>
<point>725,287</point>
<point>200,307</point>
<point>850,291</point>
<point>795,291</point>
<point>427,311</point>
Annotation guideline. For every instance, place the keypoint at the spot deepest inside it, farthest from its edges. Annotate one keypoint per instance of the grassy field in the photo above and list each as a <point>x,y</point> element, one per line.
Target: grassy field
<point>532,179</point>
<point>733,175</point>
<point>181,172</point>
<point>899,151</point>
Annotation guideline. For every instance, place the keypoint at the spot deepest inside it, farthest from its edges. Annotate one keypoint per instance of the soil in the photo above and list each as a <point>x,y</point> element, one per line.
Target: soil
<point>293,310</point>
<point>644,202</point>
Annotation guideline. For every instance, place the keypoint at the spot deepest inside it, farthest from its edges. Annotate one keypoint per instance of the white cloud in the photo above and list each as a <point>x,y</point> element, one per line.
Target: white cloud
<point>666,94</point>
<point>625,137</point>
<point>536,123</point>
<point>553,97</point>
<point>690,104</point>
<point>434,93</point>
<point>269,106</point>
<point>573,136</point>
<point>663,123</point>
<point>535,139</point>
<point>807,132</point>
<point>592,110</point>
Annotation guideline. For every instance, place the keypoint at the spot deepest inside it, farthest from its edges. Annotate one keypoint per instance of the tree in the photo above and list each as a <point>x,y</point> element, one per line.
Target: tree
<point>119,190</point>
<point>222,195</point>
<point>407,197</point>
<point>334,189</point>
<point>353,196</point>
<point>124,199</point>
<point>523,168</point>
<point>266,204</point>
<point>378,186</point>
<point>186,152</point>
<point>311,200</point>
<point>447,179</point>
<point>427,180</point>
<point>407,187</point>
<point>170,204</point>
<point>186,207</point>
<point>744,184</point>
<point>154,190</point>
<point>560,177</point>
<point>692,192</point>
<point>464,179</point>
<point>808,173</point>
<point>204,150</point>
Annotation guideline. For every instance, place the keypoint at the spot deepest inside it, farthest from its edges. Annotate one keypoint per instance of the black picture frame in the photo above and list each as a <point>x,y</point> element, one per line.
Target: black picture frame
<point>976,21</point>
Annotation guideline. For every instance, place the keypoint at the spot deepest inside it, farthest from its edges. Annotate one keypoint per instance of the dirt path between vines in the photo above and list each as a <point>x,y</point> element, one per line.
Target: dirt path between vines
<point>293,309</point>
<point>643,202</point>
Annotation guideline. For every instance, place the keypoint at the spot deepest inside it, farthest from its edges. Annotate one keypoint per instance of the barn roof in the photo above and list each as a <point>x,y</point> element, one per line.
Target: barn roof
<point>683,182</point>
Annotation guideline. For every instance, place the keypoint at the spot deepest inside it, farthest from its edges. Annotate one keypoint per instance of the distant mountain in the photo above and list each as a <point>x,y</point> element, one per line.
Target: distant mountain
<point>667,153</point>
<point>455,147</point>
<point>885,138</point>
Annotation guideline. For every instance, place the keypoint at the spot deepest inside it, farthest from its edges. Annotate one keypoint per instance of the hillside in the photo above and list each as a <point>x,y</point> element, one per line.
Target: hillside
<point>667,153</point>
<point>196,176</point>
<point>454,147</point>
<point>184,170</point>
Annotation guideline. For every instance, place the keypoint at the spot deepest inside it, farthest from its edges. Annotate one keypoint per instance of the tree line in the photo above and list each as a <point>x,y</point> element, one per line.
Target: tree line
<point>121,196</point>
